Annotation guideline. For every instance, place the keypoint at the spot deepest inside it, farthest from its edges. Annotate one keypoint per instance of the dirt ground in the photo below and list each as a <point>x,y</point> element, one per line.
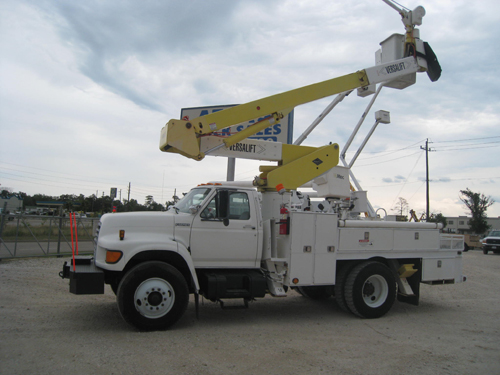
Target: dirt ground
<point>45,330</point>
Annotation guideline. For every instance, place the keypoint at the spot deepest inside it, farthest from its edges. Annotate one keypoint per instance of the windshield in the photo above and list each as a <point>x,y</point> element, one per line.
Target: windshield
<point>193,198</point>
<point>494,233</point>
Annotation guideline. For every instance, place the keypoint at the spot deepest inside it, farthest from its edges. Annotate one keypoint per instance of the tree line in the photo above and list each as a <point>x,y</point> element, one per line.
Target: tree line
<point>476,203</point>
<point>92,203</point>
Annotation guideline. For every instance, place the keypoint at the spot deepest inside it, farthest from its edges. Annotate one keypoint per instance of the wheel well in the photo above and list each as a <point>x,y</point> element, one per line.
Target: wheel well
<point>170,257</point>
<point>352,263</point>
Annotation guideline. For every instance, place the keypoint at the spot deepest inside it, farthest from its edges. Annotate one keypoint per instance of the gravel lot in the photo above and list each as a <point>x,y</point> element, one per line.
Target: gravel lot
<point>45,330</point>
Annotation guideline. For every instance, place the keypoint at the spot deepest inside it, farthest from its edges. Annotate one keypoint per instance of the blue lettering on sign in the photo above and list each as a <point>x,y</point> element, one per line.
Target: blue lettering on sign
<point>268,133</point>
<point>271,130</point>
<point>205,111</point>
<point>275,139</point>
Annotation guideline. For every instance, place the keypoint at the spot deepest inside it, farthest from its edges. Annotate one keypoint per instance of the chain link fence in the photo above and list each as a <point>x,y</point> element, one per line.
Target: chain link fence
<point>39,235</point>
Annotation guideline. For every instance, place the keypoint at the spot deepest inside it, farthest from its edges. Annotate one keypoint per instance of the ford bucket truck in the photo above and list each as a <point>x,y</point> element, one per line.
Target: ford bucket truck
<point>228,240</point>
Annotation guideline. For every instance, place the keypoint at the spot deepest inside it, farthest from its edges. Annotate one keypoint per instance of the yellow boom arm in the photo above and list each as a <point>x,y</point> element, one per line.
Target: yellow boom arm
<point>183,136</point>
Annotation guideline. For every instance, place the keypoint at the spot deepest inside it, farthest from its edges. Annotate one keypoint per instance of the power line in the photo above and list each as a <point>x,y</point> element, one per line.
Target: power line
<point>467,140</point>
<point>388,152</point>
<point>465,148</point>
<point>387,161</point>
<point>404,184</point>
<point>431,180</point>
<point>472,144</point>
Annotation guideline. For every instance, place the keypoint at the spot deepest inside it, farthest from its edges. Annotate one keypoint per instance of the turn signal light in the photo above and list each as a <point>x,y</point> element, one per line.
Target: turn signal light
<point>113,256</point>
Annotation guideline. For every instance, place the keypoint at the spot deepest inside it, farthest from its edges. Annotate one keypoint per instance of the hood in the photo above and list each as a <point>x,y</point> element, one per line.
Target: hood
<point>142,221</point>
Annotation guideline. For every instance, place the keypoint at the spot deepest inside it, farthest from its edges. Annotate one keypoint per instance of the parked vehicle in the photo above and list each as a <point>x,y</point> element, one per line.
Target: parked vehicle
<point>491,242</point>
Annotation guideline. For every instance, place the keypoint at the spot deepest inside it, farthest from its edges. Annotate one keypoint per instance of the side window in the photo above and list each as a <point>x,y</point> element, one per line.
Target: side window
<point>210,212</point>
<point>239,207</point>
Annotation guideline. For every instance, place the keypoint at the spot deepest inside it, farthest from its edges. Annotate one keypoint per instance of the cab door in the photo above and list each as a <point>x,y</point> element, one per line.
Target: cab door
<point>225,232</point>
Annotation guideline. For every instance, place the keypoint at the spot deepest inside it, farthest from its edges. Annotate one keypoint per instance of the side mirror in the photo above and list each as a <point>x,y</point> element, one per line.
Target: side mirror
<point>223,212</point>
<point>194,209</point>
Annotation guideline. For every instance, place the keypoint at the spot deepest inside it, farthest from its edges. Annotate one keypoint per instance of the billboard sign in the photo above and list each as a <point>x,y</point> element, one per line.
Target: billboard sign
<point>279,132</point>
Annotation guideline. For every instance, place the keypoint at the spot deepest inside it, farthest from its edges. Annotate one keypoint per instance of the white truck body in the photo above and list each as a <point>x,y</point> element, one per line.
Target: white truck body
<point>242,255</point>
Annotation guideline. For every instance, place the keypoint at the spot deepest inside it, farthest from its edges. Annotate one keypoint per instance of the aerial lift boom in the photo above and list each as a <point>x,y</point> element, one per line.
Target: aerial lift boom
<point>184,137</point>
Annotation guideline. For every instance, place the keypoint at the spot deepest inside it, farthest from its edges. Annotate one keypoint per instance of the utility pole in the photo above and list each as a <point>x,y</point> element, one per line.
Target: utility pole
<point>427,149</point>
<point>128,200</point>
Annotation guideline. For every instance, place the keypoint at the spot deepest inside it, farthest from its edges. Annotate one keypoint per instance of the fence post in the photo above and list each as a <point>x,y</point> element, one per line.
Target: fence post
<point>59,233</point>
<point>4,214</point>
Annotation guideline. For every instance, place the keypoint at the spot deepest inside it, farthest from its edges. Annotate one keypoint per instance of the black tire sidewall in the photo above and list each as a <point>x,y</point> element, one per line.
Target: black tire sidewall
<point>354,289</point>
<point>340,287</point>
<point>134,278</point>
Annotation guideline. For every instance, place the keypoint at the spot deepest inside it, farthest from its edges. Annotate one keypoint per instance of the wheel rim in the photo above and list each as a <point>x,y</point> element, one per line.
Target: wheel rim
<point>375,291</point>
<point>154,298</point>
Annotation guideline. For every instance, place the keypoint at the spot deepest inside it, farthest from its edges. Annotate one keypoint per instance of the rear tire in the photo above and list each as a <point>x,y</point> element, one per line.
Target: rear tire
<point>370,290</point>
<point>152,296</point>
<point>340,287</point>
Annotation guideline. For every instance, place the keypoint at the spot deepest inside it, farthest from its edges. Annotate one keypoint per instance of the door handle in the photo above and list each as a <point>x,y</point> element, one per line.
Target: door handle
<point>248,227</point>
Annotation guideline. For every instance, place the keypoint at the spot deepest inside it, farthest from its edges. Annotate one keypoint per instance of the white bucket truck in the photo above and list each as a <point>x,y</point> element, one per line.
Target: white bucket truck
<point>228,241</point>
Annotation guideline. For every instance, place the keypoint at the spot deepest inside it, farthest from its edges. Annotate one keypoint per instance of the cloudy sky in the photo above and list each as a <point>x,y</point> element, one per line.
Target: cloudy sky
<point>86,86</point>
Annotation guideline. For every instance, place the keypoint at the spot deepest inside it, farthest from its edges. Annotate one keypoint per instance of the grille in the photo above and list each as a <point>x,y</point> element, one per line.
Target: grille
<point>493,241</point>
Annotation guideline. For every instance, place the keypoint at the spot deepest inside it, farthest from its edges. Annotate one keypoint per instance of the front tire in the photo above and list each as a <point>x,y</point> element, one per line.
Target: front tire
<point>370,290</point>
<point>152,296</point>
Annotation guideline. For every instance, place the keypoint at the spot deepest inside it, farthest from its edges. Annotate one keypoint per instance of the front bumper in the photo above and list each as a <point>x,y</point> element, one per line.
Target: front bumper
<point>491,247</point>
<point>85,277</point>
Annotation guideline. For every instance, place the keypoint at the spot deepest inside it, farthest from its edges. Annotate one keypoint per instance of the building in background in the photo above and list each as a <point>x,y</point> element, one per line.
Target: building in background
<point>11,204</point>
<point>459,224</point>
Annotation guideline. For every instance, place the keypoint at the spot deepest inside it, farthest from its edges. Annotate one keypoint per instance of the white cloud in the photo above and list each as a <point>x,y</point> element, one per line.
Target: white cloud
<point>87,86</point>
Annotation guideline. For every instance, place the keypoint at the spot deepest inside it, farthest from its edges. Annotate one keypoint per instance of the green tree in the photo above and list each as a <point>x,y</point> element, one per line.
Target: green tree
<point>133,205</point>
<point>438,218</point>
<point>151,205</point>
<point>477,204</point>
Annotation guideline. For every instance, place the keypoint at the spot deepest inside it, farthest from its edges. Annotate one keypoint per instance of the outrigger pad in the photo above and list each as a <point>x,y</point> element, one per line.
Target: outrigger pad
<point>433,68</point>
